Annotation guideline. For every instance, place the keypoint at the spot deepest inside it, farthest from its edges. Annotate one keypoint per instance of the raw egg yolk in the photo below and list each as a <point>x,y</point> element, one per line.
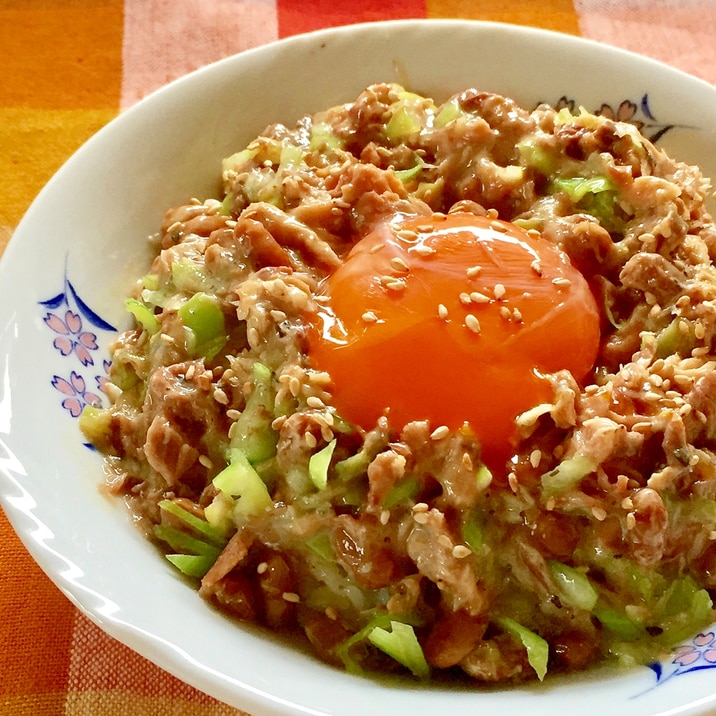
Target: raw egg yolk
<point>453,319</point>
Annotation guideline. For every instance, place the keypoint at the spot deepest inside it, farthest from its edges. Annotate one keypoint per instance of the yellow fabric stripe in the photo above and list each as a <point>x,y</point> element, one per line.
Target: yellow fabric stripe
<point>560,14</point>
<point>33,145</point>
<point>70,60</point>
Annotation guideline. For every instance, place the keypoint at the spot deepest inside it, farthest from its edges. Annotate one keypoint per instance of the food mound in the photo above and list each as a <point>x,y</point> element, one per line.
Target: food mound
<point>433,385</point>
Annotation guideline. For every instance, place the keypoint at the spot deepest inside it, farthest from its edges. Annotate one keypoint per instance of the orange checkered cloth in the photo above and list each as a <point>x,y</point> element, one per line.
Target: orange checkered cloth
<point>70,66</point>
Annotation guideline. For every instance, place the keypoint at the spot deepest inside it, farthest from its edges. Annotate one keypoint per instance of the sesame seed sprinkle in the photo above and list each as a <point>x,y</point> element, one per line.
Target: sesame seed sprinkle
<point>465,299</point>
<point>406,234</point>
<point>473,271</point>
<point>421,517</point>
<point>499,291</point>
<point>460,551</point>
<point>440,432</point>
<point>442,311</point>
<point>420,507</point>
<point>425,251</point>
<point>385,517</point>
<point>477,297</point>
<point>313,401</point>
<point>205,460</point>
<point>561,282</point>
<point>376,248</point>
<point>291,597</point>
<point>536,266</point>
<point>472,324</point>
<point>505,312</point>
<point>398,264</point>
<point>369,317</point>
<point>499,227</point>
<point>262,567</point>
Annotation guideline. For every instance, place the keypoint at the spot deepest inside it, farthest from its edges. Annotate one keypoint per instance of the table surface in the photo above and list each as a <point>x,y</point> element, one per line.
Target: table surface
<point>70,66</point>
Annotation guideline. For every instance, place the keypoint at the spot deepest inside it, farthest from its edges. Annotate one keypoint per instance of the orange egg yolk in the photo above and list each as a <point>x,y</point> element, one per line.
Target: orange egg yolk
<point>453,319</point>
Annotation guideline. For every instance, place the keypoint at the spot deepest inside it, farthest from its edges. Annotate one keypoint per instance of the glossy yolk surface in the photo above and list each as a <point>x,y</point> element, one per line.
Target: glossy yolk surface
<point>453,319</point>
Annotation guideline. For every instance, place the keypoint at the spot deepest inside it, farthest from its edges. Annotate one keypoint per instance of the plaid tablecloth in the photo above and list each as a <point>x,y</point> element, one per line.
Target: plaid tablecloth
<point>67,67</point>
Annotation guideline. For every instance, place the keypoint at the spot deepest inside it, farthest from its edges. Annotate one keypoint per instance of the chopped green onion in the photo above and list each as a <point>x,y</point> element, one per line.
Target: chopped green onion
<point>193,565</point>
<point>537,648</point>
<point>199,526</point>
<point>401,644</point>
<point>574,586</point>
<point>240,481</point>
<point>204,318</point>
<point>181,541</point>
<point>401,493</point>
<point>318,465</point>
<point>145,317</point>
<point>566,475</point>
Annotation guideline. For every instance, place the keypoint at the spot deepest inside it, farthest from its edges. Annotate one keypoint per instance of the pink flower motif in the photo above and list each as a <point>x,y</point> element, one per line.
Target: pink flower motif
<point>77,394</point>
<point>71,337</point>
<point>686,655</point>
<point>704,639</point>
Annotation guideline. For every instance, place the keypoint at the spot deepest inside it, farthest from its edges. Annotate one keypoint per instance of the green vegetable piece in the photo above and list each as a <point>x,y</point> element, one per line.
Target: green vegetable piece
<point>321,545</point>
<point>352,466</point>
<point>678,337</point>
<point>404,121</point>
<point>406,175</point>
<point>566,475</point>
<point>574,586</point>
<point>323,137</point>
<point>199,526</point>
<point>240,481</point>
<point>202,315</point>
<point>473,532</point>
<point>537,157</point>
<point>401,644</point>
<point>95,425</point>
<point>252,433</point>
<point>448,112</point>
<point>319,463</point>
<point>618,623</point>
<point>143,314</point>
<point>188,277</point>
<point>193,565</point>
<point>150,281</point>
<point>576,188</point>
<point>537,648</point>
<point>183,542</point>
<point>401,493</point>
<point>291,157</point>
<point>237,160</point>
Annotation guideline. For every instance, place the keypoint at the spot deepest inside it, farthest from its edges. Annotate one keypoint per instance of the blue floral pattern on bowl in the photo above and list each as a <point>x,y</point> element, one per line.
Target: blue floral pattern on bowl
<point>695,655</point>
<point>73,325</point>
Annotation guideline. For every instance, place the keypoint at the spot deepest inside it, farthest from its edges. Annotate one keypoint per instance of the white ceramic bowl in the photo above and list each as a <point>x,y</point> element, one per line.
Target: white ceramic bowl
<point>82,243</point>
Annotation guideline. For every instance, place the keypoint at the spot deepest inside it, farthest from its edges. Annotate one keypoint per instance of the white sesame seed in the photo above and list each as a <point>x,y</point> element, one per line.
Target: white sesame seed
<point>472,324</point>
<point>460,551</point>
<point>233,414</point>
<point>473,271</point>
<point>505,312</point>
<point>516,315</point>
<point>420,507</point>
<point>369,317</point>
<point>331,613</point>
<point>205,460</point>
<point>440,432</point>
<point>421,517</point>
<point>385,517</point>
<point>425,251</point>
<point>221,397</point>
<point>535,458</point>
<point>262,567</point>
<point>398,264</point>
<point>533,233</point>
<point>278,422</point>
<point>278,316</point>
<point>630,521</point>
<point>536,266</point>
<point>499,227</point>
<point>190,372</point>
<point>166,338</point>
<point>513,482</point>
<point>326,433</point>
<point>467,461</point>
<point>499,291</point>
<point>627,503</point>
<point>392,283</point>
<point>465,299</point>
<point>561,282</point>
<point>291,597</point>
<point>477,297</point>
<point>600,514</point>
<point>442,311</point>
<point>376,248</point>
<point>294,386</point>
<point>492,213</point>
<point>310,440</point>
<point>406,234</point>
